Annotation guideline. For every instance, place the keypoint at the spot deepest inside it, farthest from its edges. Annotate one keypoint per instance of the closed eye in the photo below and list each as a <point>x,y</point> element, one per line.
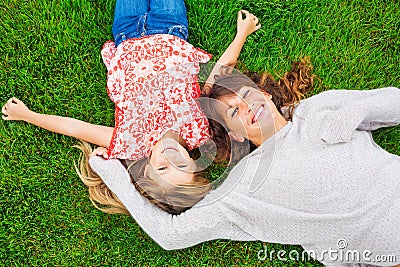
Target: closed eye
<point>162,169</point>
<point>235,111</point>
<point>182,166</point>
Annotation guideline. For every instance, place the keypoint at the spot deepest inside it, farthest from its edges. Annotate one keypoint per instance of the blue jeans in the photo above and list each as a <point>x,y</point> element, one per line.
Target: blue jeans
<point>138,18</point>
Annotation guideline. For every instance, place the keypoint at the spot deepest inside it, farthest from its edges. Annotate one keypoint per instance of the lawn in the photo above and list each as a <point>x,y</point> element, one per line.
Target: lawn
<point>50,59</point>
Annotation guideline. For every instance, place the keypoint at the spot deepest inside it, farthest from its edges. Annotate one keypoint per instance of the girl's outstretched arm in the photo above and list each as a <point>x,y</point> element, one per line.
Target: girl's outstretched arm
<point>99,135</point>
<point>245,27</point>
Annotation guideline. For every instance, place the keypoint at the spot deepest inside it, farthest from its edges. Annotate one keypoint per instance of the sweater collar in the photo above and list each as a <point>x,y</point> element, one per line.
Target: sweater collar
<point>270,144</point>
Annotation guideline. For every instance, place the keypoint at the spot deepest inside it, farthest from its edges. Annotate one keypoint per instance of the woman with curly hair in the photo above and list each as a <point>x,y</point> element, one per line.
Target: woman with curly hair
<point>286,94</point>
<point>316,177</point>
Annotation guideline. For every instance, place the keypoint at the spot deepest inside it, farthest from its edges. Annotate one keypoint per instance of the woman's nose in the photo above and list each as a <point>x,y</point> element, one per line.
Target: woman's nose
<point>244,107</point>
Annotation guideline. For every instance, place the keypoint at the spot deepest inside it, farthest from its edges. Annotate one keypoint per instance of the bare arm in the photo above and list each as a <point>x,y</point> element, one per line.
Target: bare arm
<point>245,27</point>
<point>99,135</point>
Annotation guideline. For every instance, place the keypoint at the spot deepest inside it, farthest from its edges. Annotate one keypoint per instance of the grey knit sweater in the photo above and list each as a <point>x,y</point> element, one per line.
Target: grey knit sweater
<point>317,181</point>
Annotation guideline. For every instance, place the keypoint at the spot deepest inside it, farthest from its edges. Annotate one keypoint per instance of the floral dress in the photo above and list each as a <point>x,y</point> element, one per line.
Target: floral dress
<point>153,83</point>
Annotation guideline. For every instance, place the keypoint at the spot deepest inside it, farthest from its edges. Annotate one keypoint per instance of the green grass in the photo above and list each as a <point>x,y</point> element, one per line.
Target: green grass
<point>50,59</point>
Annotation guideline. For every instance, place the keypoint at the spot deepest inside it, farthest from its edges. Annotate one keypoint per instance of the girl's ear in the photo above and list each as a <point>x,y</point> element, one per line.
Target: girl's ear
<point>268,95</point>
<point>236,136</point>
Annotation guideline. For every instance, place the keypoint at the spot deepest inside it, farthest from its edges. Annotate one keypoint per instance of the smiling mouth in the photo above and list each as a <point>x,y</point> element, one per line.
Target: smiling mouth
<point>258,113</point>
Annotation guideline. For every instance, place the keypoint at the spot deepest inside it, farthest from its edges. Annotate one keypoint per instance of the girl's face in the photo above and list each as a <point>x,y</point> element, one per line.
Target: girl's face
<point>249,113</point>
<point>171,161</point>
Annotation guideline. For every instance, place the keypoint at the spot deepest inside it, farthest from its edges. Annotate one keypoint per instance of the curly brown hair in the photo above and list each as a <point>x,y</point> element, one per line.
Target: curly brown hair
<point>286,94</point>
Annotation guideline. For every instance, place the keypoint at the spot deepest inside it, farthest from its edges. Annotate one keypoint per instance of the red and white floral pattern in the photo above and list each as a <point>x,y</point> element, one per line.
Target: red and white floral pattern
<point>153,83</point>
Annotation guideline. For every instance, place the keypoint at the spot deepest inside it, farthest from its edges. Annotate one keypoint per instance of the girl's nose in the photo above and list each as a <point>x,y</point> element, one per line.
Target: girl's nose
<point>174,156</point>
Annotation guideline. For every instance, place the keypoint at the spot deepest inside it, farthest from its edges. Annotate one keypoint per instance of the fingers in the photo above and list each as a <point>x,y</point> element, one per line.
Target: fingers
<point>5,113</point>
<point>4,110</point>
<point>245,13</point>
<point>16,100</point>
<point>249,19</point>
<point>256,22</point>
<point>94,153</point>
<point>6,107</point>
<point>12,100</point>
<point>14,109</point>
<point>100,151</point>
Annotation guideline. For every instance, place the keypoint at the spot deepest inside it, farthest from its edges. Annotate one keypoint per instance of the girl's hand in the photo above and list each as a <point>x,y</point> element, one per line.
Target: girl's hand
<point>100,151</point>
<point>247,25</point>
<point>14,109</point>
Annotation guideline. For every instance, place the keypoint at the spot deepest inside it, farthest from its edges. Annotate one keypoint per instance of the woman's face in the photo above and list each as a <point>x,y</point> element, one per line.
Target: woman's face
<point>171,161</point>
<point>249,113</point>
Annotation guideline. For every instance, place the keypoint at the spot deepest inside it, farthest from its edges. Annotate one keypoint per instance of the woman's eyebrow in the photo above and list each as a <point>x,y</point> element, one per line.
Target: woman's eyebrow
<point>246,93</point>
<point>229,107</point>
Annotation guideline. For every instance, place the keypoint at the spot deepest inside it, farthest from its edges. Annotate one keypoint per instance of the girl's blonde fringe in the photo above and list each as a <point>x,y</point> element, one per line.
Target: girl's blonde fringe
<point>99,194</point>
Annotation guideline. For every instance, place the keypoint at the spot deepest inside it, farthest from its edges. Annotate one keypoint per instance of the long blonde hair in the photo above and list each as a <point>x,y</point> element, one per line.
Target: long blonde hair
<point>174,199</point>
<point>99,194</point>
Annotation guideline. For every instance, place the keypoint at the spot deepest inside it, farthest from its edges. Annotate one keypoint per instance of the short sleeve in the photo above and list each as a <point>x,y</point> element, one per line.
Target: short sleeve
<point>108,52</point>
<point>200,56</point>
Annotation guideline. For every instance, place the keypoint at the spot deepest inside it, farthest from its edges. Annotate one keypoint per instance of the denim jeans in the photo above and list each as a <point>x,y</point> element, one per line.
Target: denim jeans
<point>138,18</point>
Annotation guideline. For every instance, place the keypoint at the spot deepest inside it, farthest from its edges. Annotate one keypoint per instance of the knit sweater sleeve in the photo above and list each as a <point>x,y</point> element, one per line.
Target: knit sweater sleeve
<point>361,110</point>
<point>198,224</point>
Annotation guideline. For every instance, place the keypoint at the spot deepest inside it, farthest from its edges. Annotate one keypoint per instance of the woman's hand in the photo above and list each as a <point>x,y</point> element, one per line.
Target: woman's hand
<point>100,151</point>
<point>247,25</point>
<point>15,109</point>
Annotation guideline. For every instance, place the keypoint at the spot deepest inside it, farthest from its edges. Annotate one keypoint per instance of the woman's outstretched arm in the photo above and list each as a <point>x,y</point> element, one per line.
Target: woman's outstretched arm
<point>99,135</point>
<point>365,110</point>
<point>205,221</point>
<point>245,27</point>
